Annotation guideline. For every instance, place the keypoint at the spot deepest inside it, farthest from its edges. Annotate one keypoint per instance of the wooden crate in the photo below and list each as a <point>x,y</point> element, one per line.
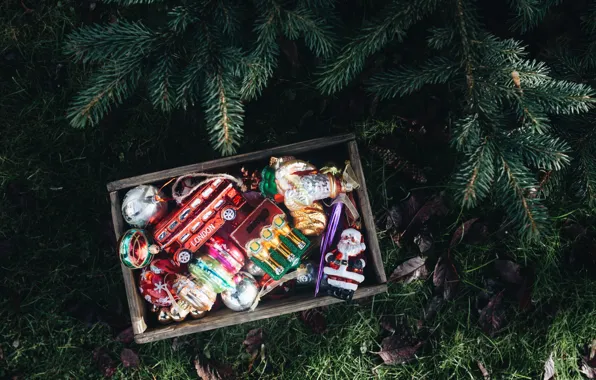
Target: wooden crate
<point>346,148</point>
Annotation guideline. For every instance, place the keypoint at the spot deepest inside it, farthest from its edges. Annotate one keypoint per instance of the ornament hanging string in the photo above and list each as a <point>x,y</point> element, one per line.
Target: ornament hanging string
<point>328,238</point>
<point>179,198</point>
<point>158,197</point>
<point>272,284</point>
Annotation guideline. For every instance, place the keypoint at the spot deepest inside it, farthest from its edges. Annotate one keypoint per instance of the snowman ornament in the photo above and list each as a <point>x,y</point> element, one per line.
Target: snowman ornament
<point>344,266</point>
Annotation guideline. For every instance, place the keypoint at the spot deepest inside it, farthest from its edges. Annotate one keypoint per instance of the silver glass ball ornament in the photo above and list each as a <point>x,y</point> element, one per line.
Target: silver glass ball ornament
<point>253,269</point>
<point>243,295</point>
<point>143,205</point>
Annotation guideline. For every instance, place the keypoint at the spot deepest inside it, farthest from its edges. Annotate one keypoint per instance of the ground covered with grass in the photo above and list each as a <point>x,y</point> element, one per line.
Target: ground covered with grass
<point>505,306</point>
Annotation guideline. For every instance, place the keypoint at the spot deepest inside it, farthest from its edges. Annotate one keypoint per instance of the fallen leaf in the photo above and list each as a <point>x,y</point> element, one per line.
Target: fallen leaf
<point>446,277</point>
<point>461,231</point>
<point>126,336</point>
<point>525,290</point>
<point>104,362</point>
<point>206,371</point>
<point>410,270</point>
<point>129,358</point>
<point>394,218</point>
<point>424,241</point>
<point>492,316</point>
<point>388,324</point>
<point>549,368</point>
<point>253,341</point>
<point>509,271</point>
<point>392,352</point>
<point>483,370</point>
<point>433,207</point>
<point>439,274</point>
<point>433,307</point>
<point>315,320</point>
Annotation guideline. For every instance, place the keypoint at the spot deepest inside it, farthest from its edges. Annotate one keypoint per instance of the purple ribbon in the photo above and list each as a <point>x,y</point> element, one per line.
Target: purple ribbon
<point>328,238</point>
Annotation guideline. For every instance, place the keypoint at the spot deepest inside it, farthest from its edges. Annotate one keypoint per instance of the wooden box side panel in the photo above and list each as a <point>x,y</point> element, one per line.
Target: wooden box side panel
<point>228,317</point>
<point>296,148</point>
<point>367,216</point>
<point>136,304</point>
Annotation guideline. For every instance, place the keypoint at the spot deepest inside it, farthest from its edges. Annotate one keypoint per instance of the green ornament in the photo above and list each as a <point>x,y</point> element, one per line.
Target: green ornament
<point>267,186</point>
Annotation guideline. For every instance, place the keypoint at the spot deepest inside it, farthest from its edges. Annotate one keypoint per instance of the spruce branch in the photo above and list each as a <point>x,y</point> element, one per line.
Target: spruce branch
<point>110,86</point>
<point>161,89</point>
<point>529,13</point>
<point>224,111</point>
<point>516,189</point>
<point>475,176</point>
<point>466,133</point>
<point>398,17</point>
<point>262,61</point>
<point>96,43</point>
<point>540,150</point>
<point>405,80</point>
<point>563,97</point>
<point>317,34</point>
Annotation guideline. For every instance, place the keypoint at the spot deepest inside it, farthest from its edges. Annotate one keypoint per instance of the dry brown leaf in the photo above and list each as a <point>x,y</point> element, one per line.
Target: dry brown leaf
<point>315,320</point>
<point>509,271</point>
<point>205,372</point>
<point>129,358</point>
<point>492,315</point>
<point>461,231</point>
<point>408,269</point>
<point>126,336</point>
<point>393,353</point>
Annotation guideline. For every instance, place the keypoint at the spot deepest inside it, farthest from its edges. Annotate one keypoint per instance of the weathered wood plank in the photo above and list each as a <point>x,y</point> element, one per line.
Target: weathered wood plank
<point>374,250</point>
<point>229,161</point>
<point>226,317</point>
<point>136,304</point>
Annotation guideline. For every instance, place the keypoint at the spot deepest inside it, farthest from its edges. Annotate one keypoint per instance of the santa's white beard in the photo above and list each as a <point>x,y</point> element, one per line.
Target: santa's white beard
<point>350,249</point>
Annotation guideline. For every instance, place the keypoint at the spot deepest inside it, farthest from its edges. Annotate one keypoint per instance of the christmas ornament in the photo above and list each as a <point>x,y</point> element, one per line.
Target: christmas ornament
<point>155,290</point>
<point>307,274</point>
<point>253,269</point>
<point>328,238</point>
<point>135,249</point>
<point>269,241</point>
<point>200,215</point>
<point>345,265</point>
<point>193,293</point>
<point>300,185</point>
<point>143,205</point>
<point>244,293</point>
<point>210,273</point>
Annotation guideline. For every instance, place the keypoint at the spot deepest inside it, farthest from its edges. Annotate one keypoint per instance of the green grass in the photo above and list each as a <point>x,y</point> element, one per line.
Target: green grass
<point>56,247</point>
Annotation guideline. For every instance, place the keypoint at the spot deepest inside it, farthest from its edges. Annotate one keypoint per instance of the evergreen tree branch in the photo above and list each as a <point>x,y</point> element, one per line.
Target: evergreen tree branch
<point>263,59</point>
<point>474,178</point>
<point>515,186</point>
<point>540,150</point>
<point>317,34</point>
<point>161,89</point>
<point>529,13</point>
<point>223,111</point>
<point>466,133</point>
<point>96,43</point>
<point>405,80</point>
<point>398,17</point>
<point>111,85</point>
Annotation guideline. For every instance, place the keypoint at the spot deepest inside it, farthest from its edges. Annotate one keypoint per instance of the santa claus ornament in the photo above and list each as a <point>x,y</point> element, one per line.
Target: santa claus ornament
<point>344,266</point>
